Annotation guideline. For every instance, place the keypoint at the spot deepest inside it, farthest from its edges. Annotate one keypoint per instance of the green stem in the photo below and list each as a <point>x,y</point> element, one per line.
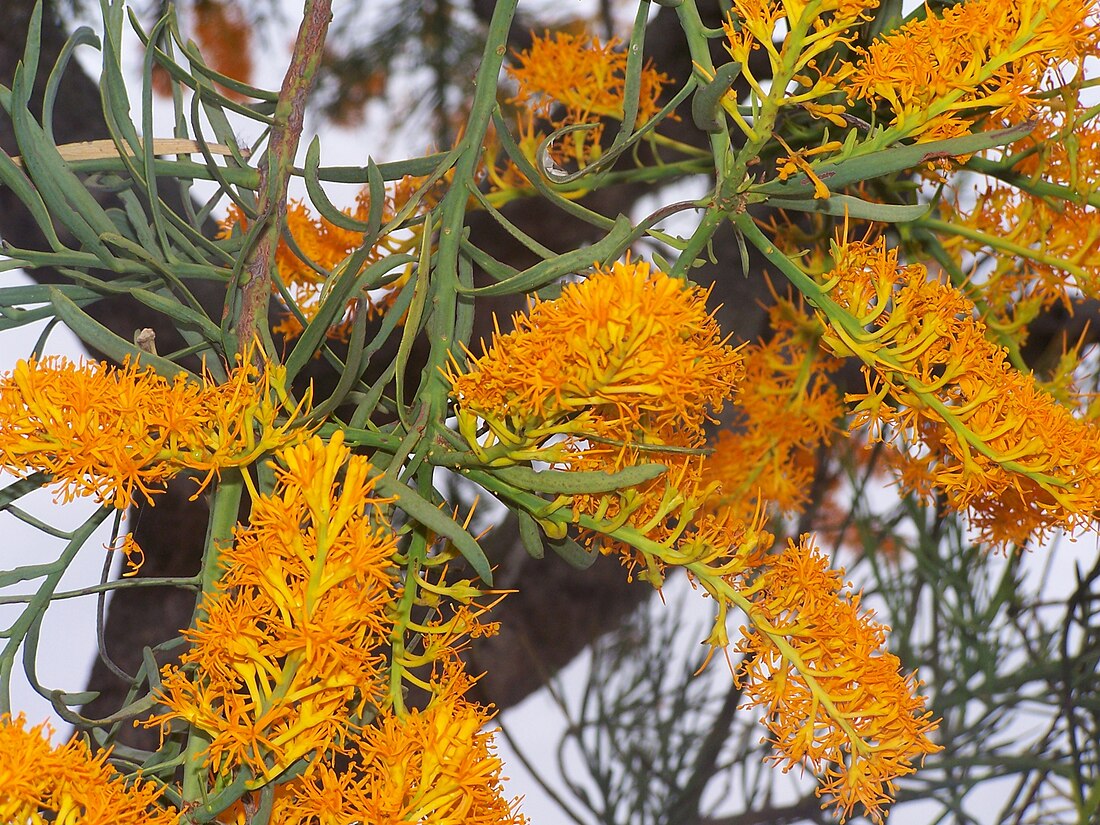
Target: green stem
<point>945,228</point>
<point>224,507</point>
<point>445,280</point>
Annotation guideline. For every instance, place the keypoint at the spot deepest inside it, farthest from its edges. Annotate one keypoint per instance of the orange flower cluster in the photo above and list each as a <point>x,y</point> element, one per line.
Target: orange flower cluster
<point>67,785</point>
<point>969,423</point>
<point>582,75</point>
<point>621,367</point>
<point>324,246</point>
<point>809,30</point>
<point>1043,250</point>
<point>626,354</point>
<point>938,74</point>
<point>434,766</point>
<point>289,648</point>
<point>786,410</point>
<point>833,696</point>
<point>117,433</point>
<point>568,79</point>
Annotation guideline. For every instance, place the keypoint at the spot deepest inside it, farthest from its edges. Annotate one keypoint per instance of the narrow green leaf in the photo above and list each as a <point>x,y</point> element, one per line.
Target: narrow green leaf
<point>101,339</point>
<point>182,315</point>
<point>17,489</point>
<point>888,161</point>
<point>565,482</point>
<point>427,514</point>
<point>853,207</point>
<point>572,553</point>
<point>320,198</point>
<point>530,535</point>
<point>707,101</point>
<point>607,248</point>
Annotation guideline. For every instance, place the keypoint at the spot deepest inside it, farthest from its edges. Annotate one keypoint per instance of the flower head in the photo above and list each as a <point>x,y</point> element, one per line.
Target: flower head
<point>627,353</point>
<point>68,785</point>
<point>969,423</point>
<point>120,433</point>
<point>585,76</point>
<point>937,74</point>
<point>291,644</point>
<point>833,697</point>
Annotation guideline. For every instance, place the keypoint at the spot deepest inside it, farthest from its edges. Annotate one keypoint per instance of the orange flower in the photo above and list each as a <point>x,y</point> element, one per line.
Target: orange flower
<point>624,354</point>
<point>291,644</point>
<point>68,785</point>
<point>1043,250</point>
<point>786,410</point>
<point>833,696</point>
<point>622,369</point>
<point>938,74</point>
<point>969,423</point>
<point>434,766</point>
<point>582,74</point>
<point>115,433</point>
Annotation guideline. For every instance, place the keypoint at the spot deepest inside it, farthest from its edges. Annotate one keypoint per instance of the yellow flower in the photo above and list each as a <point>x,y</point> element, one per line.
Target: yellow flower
<point>786,411</point>
<point>982,56</point>
<point>626,353</point>
<point>583,75</point>
<point>833,697</point>
<point>68,785</point>
<point>291,645</point>
<point>117,433</point>
<point>968,422</point>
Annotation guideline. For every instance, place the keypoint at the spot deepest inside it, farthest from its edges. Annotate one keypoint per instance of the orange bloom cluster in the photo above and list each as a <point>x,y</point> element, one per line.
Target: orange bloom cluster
<point>786,409</point>
<point>625,354</point>
<point>989,438</point>
<point>117,433</point>
<point>584,76</point>
<point>568,79</point>
<point>290,645</point>
<point>68,785</point>
<point>325,246</point>
<point>833,696</point>
<point>982,56</point>
<point>623,364</point>
<point>434,766</point>
<point>809,31</point>
<point>1043,250</point>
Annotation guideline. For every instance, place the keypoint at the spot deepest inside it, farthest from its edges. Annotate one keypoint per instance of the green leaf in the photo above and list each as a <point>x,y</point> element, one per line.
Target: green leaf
<point>320,198</point>
<point>888,161</point>
<point>607,248</point>
<point>101,339</point>
<point>853,207</point>
<point>572,553</point>
<point>425,513</point>
<point>529,535</point>
<point>20,488</point>
<point>708,99</point>
<point>566,482</point>
<point>182,315</point>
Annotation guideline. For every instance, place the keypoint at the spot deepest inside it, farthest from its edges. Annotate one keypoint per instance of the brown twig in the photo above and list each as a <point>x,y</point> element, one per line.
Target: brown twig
<point>276,165</point>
